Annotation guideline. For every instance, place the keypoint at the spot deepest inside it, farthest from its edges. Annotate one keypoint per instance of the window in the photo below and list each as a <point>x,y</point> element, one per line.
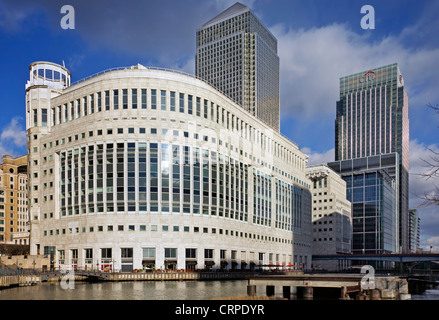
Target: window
<point>143,98</point>
<point>189,106</point>
<point>115,99</point>
<point>208,253</point>
<point>106,253</point>
<point>170,253</point>
<point>88,253</point>
<point>134,98</point>
<point>153,99</point>
<point>148,252</point>
<point>126,253</point>
<point>35,111</point>
<point>44,117</point>
<point>163,99</point>
<point>182,102</point>
<point>107,100</point>
<point>172,101</point>
<point>125,98</point>
<point>191,253</point>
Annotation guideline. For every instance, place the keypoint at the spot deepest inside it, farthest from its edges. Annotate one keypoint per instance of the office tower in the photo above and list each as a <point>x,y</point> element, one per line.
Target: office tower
<point>237,54</point>
<point>372,119</point>
<point>14,220</point>
<point>146,168</point>
<point>414,227</point>
<point>373,193</point>
<point>331,217</point>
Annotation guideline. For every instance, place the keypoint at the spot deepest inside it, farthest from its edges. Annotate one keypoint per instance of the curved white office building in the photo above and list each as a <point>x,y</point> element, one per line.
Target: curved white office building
<point>140,167</point>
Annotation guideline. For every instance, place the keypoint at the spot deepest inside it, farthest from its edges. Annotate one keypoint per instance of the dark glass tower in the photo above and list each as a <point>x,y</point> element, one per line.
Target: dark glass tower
<point>372,119</point>
<point>237,55</point>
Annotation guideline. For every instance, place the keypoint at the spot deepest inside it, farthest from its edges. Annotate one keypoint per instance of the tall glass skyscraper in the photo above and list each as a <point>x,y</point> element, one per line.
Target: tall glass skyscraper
<point>372,119</point>
<point>237,54</point>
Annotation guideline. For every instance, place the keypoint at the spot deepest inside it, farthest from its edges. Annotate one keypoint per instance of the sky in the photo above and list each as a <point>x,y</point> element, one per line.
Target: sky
<point>319,41</point>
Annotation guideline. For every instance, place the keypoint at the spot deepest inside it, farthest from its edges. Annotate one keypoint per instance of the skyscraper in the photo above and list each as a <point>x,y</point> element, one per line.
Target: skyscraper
<point>372,119</point>
<point>237,54</point>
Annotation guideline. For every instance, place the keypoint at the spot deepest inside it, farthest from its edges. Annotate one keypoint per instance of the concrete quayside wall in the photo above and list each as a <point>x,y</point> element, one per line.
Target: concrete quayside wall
<point>348,286</point>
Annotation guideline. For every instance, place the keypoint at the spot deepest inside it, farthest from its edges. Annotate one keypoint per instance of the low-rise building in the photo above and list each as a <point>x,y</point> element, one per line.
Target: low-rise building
<point>14,218</point>
<point>331,217</point>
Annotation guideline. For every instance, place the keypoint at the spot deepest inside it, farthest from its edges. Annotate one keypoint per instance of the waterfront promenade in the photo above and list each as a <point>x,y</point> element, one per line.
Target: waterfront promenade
<point>32,277</point>
<point>289,285</point>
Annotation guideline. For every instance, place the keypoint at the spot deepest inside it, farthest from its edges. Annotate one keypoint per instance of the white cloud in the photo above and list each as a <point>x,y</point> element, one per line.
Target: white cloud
<point>12,137</point>
<point>318,158</point>
<point>14,132</point>
<point>313,60</point>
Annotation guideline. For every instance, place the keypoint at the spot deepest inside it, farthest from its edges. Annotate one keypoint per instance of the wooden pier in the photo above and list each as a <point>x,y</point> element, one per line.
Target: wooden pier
<point>19,280</point>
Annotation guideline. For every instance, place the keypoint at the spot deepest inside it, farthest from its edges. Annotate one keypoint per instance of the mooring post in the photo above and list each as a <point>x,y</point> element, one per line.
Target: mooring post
<point>251,290</point>
<point>308,293</point>
<point>344,292</point>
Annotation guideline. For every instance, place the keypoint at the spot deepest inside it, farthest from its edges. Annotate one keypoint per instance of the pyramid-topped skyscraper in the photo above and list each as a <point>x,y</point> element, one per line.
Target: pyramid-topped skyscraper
<point>237,54</point>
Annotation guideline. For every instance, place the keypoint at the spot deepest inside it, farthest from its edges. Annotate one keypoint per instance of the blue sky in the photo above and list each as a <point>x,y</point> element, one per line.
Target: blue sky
<point>318,42</point>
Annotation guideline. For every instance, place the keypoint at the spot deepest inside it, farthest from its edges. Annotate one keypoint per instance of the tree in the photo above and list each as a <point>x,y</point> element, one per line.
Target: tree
<point>431,173</point>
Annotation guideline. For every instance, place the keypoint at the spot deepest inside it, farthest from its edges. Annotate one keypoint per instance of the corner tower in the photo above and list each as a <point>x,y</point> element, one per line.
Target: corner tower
<point>46,81</point>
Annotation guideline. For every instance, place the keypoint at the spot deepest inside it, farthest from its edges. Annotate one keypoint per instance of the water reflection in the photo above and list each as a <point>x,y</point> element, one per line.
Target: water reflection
<point>141,290</point>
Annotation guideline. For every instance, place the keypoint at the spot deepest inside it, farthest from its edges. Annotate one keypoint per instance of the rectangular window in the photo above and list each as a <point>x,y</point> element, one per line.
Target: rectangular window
<point>106,253</point>
<point>72,110</point>
<point>189,104</point>
<point>134,98</point>
<point>115,99</point>
<point>148,253</point>
<point>52,115</point>
<point>143,98</point>
<point>172,101</point>
<point>170,253</point>
<point>191,253</point>
<point>153,99</point>
<point>163,99</point>
<point>198,107</point>
<point>66,116</point>
<point>181,102</point>
<point>44,117</point>
<point>84,102</point>
<point>126,252</point>
<point>208,253</point>
<point>78,108</point>
<point>205,109</point>
<point>92,103</point>
<point>125,98</point>
<point>99,98</point>
<point>35,111</point>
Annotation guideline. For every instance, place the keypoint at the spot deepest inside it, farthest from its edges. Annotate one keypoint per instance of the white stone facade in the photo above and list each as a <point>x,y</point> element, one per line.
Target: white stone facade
<point>331,217</point>
<point>141,167</point>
